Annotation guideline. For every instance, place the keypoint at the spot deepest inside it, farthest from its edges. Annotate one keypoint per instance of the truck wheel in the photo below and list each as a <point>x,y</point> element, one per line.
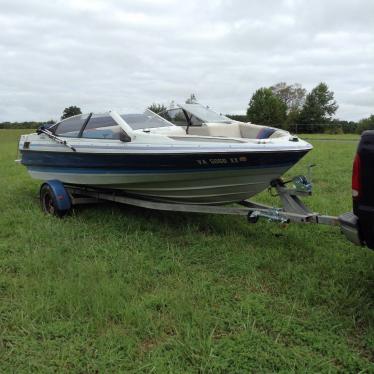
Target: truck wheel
<point>370,243</point>
<point>49,202</point>
<point>367,232</point>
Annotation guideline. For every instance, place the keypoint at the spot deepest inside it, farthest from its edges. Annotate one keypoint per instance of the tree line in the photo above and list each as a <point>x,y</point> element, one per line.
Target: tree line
<point>67,112</point>
<point>289,106</point>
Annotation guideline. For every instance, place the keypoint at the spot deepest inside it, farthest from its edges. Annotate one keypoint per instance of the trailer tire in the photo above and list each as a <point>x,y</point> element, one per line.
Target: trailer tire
<point>50,203</point>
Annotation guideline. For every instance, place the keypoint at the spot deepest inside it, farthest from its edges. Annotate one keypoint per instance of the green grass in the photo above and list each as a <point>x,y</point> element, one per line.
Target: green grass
<point>330,136</point>
<point>119,289</point>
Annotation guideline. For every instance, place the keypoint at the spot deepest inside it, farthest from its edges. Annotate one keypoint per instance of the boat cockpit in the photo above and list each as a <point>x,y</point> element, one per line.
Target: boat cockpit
<point>187,122</point>
<point>200,120</point>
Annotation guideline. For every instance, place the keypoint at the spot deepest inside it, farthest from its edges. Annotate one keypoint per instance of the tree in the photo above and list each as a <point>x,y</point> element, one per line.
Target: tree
<point>338,126</point>
<point>319,106</point>
<point>292,95</point>
<point>365,124</point>
<point>71,111</point>
<point>192,99</point>
<point>157,108</point>
<point>265,108</point>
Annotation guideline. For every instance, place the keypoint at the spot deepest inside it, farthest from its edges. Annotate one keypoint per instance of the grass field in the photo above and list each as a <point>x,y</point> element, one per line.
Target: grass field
<point>119,289</point>
<point>331,136</point>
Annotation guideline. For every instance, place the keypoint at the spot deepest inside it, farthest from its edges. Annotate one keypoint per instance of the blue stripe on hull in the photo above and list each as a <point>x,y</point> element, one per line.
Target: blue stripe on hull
<point>156,163</point>
<point>52,169</point>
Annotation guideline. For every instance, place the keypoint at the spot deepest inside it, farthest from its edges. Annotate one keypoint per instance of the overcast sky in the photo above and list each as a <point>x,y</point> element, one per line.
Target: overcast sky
<point>124,55</point>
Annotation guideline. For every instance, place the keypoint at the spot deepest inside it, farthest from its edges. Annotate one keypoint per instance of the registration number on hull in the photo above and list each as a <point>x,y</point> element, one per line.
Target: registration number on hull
<point>222,161</point>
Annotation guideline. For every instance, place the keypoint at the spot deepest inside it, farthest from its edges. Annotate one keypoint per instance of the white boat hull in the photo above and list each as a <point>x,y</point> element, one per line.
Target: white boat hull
<point>196,173</point>
<point>213,187</point>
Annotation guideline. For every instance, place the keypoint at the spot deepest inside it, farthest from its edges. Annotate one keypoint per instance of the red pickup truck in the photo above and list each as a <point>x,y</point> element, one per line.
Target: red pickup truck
<point>358,225</point>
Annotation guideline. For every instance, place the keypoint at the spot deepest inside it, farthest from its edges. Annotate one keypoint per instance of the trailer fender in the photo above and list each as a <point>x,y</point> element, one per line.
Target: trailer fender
<point>54,198</point>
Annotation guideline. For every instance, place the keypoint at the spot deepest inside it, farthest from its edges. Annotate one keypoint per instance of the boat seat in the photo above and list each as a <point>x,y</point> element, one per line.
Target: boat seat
<point>216,129</point>
<point>222,129</point>
<point>235,130</point>
<point>252,131</point>
<point>265,133</point>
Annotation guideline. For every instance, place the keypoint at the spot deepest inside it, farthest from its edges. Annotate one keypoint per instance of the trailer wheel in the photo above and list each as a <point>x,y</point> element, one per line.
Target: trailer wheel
<point>52,202</point>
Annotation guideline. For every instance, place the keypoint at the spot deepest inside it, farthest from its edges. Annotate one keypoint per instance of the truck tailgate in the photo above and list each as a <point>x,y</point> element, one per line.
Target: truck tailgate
<point>363,202</point>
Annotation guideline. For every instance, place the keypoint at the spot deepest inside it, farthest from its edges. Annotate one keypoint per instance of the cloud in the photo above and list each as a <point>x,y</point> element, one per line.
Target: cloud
<point>124,55</point>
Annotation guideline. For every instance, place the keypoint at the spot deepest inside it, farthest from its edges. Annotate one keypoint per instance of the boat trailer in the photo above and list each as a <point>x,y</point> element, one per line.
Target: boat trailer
<point>58,199</point>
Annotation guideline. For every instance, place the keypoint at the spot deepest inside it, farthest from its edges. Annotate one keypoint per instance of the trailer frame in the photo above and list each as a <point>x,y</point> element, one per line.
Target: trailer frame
<point>62,197</point>
<point>293,209</point>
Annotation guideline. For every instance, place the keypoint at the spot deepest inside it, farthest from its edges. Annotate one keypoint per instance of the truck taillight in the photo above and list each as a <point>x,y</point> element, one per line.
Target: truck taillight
<point>356,177</point>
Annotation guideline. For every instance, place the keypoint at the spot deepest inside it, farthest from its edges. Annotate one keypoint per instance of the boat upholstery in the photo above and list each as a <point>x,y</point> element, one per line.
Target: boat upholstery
<point>216,129</point>
<point>256,131</point>
<point>235,130</point>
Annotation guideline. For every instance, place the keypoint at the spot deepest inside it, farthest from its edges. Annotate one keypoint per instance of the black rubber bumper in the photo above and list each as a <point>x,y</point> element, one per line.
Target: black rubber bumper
<point>350,227</point>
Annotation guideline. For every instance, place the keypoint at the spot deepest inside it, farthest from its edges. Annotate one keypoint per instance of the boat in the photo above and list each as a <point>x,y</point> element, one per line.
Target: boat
<point>188,154</point>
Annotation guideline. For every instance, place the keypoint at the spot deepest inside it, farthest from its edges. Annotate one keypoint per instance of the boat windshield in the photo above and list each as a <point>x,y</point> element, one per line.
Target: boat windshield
<point>147,120</point>
<point>205,114</point>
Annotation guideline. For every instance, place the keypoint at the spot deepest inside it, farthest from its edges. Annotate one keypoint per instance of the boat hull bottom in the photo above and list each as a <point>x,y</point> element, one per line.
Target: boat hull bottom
<point>214,188</point>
